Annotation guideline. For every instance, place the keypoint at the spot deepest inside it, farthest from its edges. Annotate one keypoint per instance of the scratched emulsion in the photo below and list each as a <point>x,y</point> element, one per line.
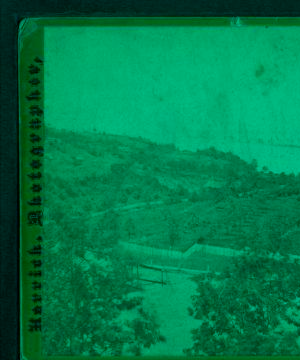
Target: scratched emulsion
<point>172,209</point>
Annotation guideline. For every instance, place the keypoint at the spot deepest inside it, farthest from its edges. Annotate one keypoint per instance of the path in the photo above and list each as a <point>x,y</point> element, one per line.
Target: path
<point>170,303</point>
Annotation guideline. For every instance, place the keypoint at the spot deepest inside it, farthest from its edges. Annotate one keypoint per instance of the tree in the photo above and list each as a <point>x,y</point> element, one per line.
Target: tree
<point>241,312</point>
<point>194,197</point>
<point>173,231</point>
<point>130,228</point>
<point>82,310</point>
<point>265,169</point>
<point>106,233</point>
<point>254,164</point>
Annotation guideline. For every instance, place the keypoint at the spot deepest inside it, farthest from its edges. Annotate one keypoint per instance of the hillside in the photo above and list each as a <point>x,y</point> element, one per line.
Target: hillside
<point>111,187</point>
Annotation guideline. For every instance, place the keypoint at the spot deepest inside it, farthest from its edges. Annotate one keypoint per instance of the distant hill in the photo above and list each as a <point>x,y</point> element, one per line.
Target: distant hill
<point>158,195</point>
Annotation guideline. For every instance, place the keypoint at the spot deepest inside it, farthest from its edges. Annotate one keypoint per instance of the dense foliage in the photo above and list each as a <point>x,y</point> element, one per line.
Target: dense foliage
<point>251,309</point>
<point>88,301</point>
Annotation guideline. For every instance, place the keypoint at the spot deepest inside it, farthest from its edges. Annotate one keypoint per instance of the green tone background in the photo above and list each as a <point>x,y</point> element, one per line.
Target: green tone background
<point>263,79</point>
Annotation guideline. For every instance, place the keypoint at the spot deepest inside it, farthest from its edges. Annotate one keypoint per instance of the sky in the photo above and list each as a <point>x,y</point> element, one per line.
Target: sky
<point>228,87</point>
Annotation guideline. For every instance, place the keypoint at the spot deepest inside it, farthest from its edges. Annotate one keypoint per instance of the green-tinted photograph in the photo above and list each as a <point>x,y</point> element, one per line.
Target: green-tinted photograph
<point>172,191</point>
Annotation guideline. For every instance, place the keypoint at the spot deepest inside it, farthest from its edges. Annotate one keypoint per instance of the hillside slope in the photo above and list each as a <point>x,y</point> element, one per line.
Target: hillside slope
<point>117,187</point>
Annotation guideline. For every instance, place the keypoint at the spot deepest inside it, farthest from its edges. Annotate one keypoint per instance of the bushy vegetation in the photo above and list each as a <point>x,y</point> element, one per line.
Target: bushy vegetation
<point>88,294</point>
<point>251,309</point>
